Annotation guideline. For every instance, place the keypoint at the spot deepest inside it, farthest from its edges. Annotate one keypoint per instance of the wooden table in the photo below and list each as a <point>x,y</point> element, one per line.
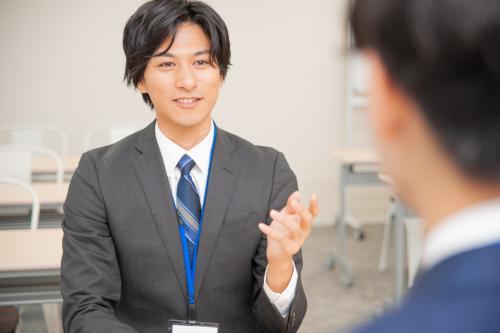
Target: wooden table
<point>386,179</point>
<point>51,195</point>
<point>355,157</point>
<point>357,167</point>
<point>44,168</point>
<point>30,266</point>
<point>15,203</point>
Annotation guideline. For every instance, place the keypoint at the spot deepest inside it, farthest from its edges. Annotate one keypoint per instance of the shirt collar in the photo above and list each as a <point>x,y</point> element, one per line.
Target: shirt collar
<point>172,153</point>
<point>468,229</point>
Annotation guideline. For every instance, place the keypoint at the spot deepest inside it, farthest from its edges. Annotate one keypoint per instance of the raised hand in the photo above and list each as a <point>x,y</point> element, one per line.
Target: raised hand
<point>286,234</point>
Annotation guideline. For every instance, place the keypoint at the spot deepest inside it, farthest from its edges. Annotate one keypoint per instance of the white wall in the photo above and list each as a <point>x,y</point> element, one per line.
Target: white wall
<point>286,87</point>
<point>61,62</point>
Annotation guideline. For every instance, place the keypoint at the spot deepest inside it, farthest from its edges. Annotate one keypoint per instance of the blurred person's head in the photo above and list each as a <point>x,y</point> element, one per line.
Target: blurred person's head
<point>177,55</point>
<point>435,97</point>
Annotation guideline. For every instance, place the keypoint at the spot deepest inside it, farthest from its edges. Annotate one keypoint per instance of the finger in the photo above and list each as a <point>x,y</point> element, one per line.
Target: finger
<point>314,206</point>
<point>294,196</point>
<point>290,222</point>
<point>306,218</point>
<point>288,245</point>
<point>277,222</point>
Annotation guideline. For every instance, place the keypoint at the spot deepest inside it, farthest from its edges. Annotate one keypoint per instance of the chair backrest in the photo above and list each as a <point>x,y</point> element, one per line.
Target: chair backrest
<point>360,74</point>
<point>100,135</point>
<point>116,133</point>
<point>15,161</point>
<point>15,164</point>
<point>15,169</point>
<point>35,203</point>
<point>41,135</point>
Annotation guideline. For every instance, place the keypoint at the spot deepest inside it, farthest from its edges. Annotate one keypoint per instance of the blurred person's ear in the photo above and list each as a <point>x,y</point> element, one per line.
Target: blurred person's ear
<point>390,109</point>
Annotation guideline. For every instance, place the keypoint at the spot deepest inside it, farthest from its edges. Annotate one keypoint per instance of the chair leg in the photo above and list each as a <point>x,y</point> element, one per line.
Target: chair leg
<point>19,327</point>
<point>382,263</point>
<point>414,238</point>
<point>9,319</point>
<point>52,316</point>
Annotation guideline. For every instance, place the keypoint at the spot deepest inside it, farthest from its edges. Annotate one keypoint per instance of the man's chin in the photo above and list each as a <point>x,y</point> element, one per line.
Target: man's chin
<point>191,123</point>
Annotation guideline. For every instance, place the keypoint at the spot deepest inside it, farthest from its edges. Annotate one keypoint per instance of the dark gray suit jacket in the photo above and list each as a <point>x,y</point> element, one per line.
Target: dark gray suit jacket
<point>122,267</point>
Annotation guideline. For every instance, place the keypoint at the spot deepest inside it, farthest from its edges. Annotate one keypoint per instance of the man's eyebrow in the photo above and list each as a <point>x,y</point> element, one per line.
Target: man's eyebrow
<point>164,54</point>
<point>167,54</point>
<point>202,52</point>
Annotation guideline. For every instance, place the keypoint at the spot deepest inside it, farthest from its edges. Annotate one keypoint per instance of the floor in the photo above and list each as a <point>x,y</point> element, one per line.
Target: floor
<point>332,308</point>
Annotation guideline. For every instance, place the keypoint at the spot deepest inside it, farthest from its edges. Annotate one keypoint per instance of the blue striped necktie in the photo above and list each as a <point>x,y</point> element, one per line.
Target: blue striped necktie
<point>188,203</point>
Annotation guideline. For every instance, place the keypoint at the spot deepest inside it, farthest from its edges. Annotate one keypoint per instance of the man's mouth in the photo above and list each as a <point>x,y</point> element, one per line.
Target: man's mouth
<point>187,101</point>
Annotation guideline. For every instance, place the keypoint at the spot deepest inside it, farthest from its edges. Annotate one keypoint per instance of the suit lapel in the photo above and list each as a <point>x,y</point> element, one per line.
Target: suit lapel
<point>221,183</point>
<point>150,171</point>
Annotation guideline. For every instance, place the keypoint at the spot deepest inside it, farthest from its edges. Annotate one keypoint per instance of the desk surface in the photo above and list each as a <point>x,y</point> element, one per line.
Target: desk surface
<point>45,165</point>
<point>49,194</point>
<point>386,179</point>
<point>356,156</point>
<point>29,250</point>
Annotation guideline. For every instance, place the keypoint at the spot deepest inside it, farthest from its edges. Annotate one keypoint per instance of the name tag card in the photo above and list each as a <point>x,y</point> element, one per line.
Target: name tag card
<point>183,326</point>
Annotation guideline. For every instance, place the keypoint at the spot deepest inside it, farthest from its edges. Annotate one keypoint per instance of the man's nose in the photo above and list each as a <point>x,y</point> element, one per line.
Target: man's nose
<point>185,78</point>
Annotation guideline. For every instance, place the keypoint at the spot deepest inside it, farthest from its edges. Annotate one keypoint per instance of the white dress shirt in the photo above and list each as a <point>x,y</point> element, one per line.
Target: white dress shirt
<point>171,154</point>
<point>471,228</point>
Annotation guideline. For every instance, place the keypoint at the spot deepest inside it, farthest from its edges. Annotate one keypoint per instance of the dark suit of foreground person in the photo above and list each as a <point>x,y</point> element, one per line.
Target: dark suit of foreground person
<point>460,294</point>
<point>436,116</point>
<point>182,195</point>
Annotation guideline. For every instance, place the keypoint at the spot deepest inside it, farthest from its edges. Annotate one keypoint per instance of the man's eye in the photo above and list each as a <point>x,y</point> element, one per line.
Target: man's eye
<point>201,62</point>
<point>167,64</point>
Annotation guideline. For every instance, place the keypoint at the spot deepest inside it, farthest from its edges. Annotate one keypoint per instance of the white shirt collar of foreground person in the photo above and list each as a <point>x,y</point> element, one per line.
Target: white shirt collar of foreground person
<point>471,228</point>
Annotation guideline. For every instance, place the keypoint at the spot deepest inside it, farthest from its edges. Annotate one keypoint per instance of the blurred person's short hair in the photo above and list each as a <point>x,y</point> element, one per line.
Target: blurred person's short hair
<point>444,55</point>
<point>157,20</point>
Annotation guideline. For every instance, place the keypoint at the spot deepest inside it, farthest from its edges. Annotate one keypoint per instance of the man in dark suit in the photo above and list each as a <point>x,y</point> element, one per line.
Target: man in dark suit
<point>164,224</point>
<point>436,116</point>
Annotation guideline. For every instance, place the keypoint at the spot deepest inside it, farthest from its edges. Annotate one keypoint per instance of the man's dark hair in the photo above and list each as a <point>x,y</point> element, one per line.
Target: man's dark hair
<point>445,55</point>
<point>158,20</point>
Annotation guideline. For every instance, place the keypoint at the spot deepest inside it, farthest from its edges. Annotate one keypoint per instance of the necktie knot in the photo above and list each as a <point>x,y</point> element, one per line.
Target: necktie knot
<point>185,164</point>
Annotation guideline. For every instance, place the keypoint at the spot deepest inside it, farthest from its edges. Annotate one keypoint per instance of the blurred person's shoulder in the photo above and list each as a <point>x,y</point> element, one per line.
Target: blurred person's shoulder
<point>436,308</point>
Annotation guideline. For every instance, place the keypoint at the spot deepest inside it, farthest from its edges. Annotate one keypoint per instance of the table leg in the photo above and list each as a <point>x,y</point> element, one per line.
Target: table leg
<point>399,250</point>
<point>340,223</point>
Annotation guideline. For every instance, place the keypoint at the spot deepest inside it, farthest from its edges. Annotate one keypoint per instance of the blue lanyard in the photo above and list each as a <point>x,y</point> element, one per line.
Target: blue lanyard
<point>190,267</point>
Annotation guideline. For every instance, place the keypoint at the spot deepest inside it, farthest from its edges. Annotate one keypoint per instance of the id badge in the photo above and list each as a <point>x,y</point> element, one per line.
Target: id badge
<point>184,326</point>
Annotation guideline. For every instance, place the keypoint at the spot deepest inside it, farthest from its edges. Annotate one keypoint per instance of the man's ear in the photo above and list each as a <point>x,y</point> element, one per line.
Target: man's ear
<point>142,87</point>
<point>389,105</point>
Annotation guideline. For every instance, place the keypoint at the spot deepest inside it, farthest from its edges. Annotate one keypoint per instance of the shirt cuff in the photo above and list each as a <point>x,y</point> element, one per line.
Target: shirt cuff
<point>284,300</point>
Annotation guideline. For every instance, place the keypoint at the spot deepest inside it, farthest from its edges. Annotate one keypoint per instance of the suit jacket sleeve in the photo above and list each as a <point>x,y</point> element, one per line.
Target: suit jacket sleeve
<point>268,317</point>
<point>90,275</point>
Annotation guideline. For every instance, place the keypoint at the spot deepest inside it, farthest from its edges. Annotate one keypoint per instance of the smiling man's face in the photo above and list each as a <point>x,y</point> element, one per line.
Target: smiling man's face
<point>181,82</point>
